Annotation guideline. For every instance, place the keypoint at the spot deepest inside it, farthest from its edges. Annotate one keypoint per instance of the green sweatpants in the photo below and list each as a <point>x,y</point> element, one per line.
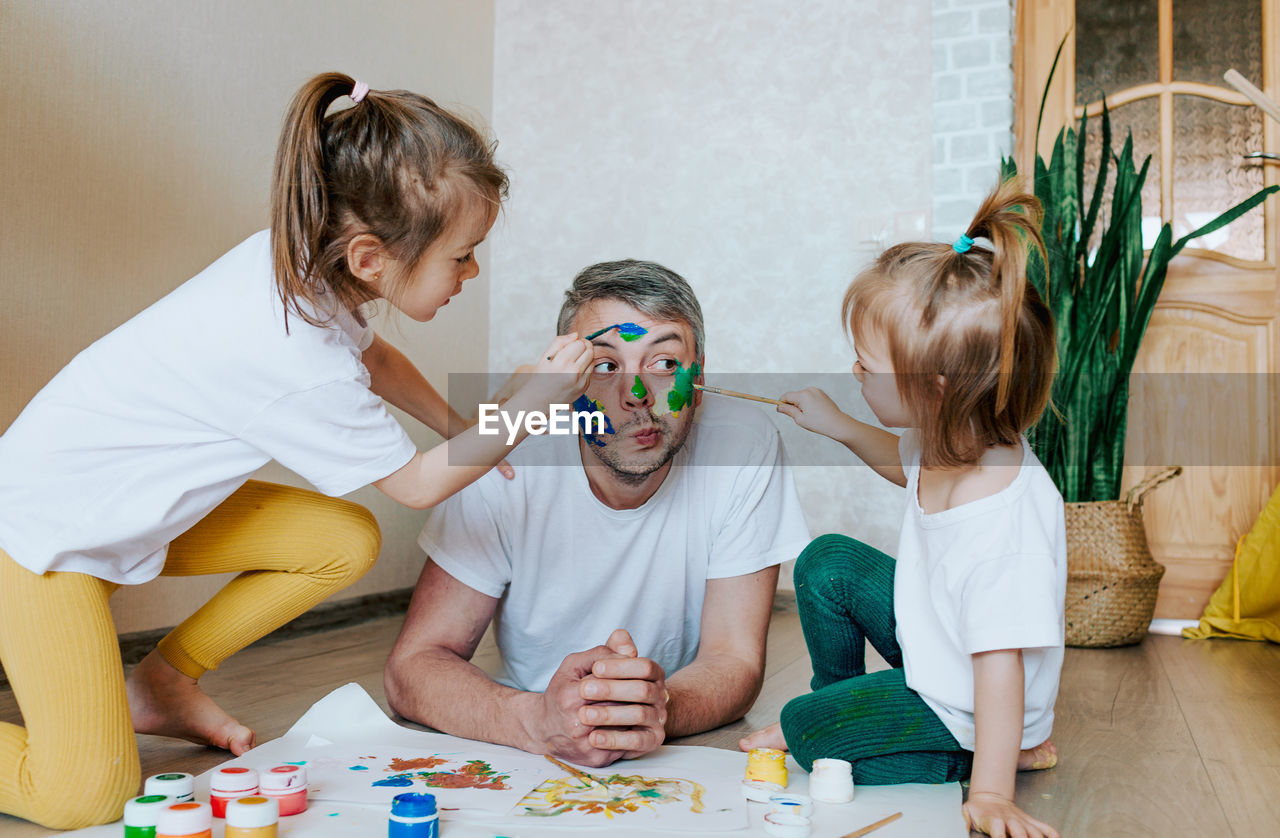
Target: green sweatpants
<point>844,590</point>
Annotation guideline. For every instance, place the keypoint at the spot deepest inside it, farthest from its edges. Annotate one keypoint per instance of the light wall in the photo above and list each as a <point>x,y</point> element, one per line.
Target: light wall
<point>972,106</point>
<point>764,149</point>
<point>136,141</point>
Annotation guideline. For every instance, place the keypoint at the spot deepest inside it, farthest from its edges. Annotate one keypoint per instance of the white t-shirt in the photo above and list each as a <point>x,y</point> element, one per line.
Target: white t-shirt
<point>155,424</point>
<point>985,575</point>
<point>570,569</point>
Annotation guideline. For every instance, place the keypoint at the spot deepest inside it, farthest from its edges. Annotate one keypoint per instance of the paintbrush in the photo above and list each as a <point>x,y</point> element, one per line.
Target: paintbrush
<point>858,833</point>
<point>719,391</point>
<point>629,331</point>
<point>581,775</point>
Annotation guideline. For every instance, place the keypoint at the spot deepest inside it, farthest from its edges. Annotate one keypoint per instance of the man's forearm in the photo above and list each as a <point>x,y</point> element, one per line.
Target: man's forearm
<point>712,691</point>
<point>453,695</point>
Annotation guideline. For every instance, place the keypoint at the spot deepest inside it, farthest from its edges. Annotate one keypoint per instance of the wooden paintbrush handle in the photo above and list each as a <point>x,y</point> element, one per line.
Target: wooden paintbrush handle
<point>858,833</point>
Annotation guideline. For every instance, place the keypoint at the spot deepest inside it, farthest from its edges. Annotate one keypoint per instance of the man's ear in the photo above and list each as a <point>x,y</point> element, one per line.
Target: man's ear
<point>367,259</point>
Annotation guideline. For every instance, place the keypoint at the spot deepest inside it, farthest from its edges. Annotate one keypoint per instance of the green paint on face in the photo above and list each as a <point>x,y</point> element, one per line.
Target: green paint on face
<point>638,390</point>
<point>682,390</point>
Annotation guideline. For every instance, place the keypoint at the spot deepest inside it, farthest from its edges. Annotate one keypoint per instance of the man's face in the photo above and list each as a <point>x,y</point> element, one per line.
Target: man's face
<point>641,378</point>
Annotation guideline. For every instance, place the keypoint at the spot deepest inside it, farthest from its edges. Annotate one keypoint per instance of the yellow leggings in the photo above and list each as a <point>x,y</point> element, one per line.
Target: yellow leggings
<point>76,762</point>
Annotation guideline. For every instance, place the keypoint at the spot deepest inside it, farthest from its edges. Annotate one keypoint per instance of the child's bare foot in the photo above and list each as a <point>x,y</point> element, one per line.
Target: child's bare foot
<point>165,702</point>
<point>768,737</point>
<point>1044,755</point>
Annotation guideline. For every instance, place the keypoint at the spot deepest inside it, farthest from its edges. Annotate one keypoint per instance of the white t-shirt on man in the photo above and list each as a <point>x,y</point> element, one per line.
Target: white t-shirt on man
<point>570,569</point>
<point>155,424</point>
<point>982,576</point>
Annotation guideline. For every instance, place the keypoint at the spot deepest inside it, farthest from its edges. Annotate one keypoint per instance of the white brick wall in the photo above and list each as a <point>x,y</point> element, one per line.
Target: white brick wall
<point>972,106</point>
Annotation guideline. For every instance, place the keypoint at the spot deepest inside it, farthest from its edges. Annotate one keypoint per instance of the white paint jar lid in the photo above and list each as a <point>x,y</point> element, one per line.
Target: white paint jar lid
<point>184,818</point>
<point>252,812</point>
<point>177,784</point>
<point>143,811</point>
<point>782,825</point>
<point>285,778</point>
<point>792,804</point>
<point>234,778</point>
<point>759,790</point>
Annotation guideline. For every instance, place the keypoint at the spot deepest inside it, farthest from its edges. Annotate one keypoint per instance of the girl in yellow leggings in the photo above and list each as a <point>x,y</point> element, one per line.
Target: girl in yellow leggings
<point>292,548</point>
<point>134,461</point>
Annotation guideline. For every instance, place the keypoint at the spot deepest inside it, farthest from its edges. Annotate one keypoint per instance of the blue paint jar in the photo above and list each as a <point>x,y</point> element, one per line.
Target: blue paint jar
<point>413,815</point>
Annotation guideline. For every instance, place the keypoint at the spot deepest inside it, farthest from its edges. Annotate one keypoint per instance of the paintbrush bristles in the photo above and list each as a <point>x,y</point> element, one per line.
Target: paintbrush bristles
<point>581,775</point>
<point>720,391</point>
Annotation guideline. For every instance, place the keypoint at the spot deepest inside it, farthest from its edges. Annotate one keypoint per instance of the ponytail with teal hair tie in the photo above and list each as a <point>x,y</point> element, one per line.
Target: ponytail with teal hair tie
<point>962,244</point>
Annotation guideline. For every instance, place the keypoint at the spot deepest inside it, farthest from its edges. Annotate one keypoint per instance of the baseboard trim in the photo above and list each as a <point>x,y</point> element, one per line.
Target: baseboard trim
<point>135,645</point>
<point>1171,627</point>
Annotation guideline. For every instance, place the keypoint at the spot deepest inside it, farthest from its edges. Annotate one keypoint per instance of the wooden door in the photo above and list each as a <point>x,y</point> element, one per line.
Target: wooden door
<point>1203,394</point>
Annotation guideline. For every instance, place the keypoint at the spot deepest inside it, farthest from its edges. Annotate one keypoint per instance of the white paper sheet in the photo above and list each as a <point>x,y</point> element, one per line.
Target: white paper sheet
<point>348,717</point>
<point>355,754</point>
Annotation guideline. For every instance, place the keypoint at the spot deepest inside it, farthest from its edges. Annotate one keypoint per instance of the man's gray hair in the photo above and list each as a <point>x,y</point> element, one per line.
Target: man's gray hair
<point>659,292</point>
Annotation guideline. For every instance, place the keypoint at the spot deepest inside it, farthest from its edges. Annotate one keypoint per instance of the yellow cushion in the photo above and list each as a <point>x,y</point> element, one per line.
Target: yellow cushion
<point>1255,579</point>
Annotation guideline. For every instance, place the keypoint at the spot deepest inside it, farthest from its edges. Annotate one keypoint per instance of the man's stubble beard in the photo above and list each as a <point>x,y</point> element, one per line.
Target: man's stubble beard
<point>635,474</point>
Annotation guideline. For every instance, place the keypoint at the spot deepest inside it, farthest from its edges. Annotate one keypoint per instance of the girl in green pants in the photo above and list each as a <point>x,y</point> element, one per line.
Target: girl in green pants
<point>955,345</point>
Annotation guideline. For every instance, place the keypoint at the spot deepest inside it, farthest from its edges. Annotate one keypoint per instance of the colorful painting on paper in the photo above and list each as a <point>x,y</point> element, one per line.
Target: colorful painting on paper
<point>612,795</point>
<point>676,788</point>
<point>477,778</point>
<point>474,774</point>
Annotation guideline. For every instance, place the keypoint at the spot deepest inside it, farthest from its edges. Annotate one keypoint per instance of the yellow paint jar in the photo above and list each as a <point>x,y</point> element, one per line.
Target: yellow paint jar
<point>768,765</point>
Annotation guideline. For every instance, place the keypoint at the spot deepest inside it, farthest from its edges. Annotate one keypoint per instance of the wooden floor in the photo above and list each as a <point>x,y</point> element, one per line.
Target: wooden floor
<point>1169,738</point>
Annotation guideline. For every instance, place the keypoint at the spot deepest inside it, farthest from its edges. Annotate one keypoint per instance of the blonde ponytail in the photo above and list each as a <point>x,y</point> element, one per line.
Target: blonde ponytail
<point>299,204</point>
<point>1009,218</point>
<point>965,315</point>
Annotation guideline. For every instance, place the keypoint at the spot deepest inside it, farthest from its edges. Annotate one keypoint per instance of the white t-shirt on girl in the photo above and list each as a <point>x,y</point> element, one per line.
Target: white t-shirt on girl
<point>570,569</point>
<point>982,576</point>
<point>155,424</point>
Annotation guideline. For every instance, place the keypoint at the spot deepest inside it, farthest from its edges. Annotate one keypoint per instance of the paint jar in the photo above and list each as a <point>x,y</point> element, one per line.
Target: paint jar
<point>185,820</point>
<point>254,816</point>
<point>768,765</point>
<point>831,781</point>
<point>413,815</point>
<point>287,784</point>
<point>178,785</point>
<point>230,783</point>
<point>141,813</point>
<point>792,804</point>
<point>783,825</point>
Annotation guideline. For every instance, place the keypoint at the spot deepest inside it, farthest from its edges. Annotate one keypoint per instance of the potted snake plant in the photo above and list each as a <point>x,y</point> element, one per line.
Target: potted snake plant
<point>1102,287</point>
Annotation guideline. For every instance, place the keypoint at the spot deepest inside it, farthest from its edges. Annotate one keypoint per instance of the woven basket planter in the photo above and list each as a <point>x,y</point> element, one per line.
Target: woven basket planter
<point>1112,581</point>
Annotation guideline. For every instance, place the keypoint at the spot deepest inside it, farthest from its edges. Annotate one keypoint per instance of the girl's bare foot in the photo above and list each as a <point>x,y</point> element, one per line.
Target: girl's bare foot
<point>1044,755</point>
<point>769,737</point>
<point>165,702</point>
